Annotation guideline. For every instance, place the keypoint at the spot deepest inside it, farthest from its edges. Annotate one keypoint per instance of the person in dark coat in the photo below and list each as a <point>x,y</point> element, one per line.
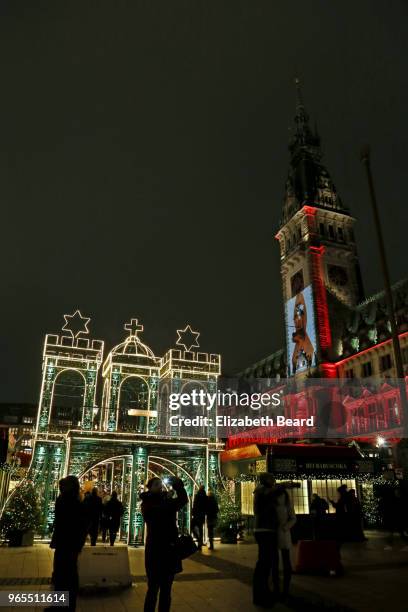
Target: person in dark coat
<point>104,518</point>
<point>113,512</point>
<point>159,509</point>
<point>198,515</point>
<point>354,518</point>
<point>211,513</point>
<point>266,535</point>
<point>394,515</point>
<point>341,514</point>
<point>318,510</point>
<point>93,504</point>
<point>68,538</point>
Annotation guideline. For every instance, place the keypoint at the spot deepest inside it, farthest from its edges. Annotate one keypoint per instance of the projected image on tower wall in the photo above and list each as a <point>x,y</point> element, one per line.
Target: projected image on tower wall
<point>301,332</point>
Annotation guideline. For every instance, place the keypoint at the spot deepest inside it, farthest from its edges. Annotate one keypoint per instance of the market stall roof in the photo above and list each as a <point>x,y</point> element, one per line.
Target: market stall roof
<point>314,450</point>
<point>305,451</point>
<point>244,452</point>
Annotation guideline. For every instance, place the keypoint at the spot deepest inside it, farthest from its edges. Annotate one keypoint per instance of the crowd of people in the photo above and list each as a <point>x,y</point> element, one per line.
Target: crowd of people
<point>205,508</point>
<point>78,516</point>
<point>349,516</point>
<point>104,515</point>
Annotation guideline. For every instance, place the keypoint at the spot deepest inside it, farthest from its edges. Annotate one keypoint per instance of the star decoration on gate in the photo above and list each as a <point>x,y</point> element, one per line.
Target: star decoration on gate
<point>187,338</point>
<point>76,324</point>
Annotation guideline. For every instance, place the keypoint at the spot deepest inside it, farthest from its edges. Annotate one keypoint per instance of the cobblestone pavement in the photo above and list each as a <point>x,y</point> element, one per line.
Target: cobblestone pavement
<point>375,580</point>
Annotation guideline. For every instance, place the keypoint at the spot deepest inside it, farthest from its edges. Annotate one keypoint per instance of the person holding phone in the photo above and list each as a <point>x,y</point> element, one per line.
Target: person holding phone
<point>162,560</point>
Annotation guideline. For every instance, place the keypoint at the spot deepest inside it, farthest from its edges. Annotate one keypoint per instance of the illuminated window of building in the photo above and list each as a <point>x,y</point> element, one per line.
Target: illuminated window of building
<point>327,489</point>
<point>299,497</point>
<point>247,498</point>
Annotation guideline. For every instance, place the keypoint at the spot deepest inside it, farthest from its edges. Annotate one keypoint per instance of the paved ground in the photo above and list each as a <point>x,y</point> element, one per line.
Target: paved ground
<point>375,580</point>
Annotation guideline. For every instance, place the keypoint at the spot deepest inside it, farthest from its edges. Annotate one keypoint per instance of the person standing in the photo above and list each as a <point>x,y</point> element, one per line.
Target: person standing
<point>104,517</point>
<point>318,510</point>
<point>93,504</point>
<point>211,513</point>
<point>286,518</point>
<point>113,512</point>
<point>198,515</point>
<point>341,514</point>
<point>355,518</point>
<point>68,538</point>
<point>266,535</point>
<point>394,515</point>
<point>162,560</point>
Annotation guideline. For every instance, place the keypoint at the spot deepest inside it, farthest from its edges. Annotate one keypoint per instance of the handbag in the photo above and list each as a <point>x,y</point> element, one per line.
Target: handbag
<point>186,546</point>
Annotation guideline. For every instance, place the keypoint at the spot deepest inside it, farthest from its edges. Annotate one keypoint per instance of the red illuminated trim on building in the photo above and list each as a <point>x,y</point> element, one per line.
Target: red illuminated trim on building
<point>322,311</point>
<point>329,370</point>
<point>370,348</point>
<point>309,210</point>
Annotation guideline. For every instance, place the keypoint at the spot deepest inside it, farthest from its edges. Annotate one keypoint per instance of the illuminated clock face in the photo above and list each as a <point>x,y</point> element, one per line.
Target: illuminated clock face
<point>338,276</point>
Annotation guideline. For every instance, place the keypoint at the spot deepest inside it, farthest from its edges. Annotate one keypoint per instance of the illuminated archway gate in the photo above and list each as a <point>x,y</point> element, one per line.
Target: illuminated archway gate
<point>124,465</point>
<point>115,474</point>
<point>130,432</point>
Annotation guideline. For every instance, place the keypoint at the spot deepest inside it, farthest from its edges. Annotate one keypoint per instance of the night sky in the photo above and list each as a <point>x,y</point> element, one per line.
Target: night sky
<point>143,157</point>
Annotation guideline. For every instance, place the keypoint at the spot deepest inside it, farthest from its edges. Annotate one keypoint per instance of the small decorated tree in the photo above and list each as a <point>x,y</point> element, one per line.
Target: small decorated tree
<point>370,508</point>
<point>229,517</point>
<point>21,514</point>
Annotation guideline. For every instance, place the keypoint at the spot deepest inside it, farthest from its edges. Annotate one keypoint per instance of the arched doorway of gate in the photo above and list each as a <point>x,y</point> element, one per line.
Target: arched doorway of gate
<point>115,474</point>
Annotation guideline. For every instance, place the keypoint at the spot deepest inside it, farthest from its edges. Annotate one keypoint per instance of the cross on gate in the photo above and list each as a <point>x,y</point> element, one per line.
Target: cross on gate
<point>133,327</point>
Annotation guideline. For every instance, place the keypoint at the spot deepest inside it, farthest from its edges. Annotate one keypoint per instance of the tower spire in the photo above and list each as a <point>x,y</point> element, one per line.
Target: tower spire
<point>299,97</point>
<point>303,132</point>
<point>309,182</point>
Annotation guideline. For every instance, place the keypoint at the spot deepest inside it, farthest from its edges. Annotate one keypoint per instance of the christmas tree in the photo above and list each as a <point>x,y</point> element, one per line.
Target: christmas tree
<point>21,512</point>
<point>229,514</point>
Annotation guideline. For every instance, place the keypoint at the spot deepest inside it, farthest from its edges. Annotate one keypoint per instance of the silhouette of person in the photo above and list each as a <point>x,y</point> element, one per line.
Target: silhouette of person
<point>162,560</point>
<point>198,514</point>
<point>113,511</point>
<point>68,538</point>
<point>93,505</point>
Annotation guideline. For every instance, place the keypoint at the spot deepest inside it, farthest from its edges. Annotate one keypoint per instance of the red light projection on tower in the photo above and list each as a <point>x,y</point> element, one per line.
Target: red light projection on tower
<point>323,324</point>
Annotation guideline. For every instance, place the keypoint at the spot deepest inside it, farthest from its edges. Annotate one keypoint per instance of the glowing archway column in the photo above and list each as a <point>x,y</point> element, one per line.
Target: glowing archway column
<point>139,475</point>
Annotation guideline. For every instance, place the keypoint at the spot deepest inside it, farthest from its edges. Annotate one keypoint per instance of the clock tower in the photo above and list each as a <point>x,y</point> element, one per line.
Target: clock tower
<point>319,262</point>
